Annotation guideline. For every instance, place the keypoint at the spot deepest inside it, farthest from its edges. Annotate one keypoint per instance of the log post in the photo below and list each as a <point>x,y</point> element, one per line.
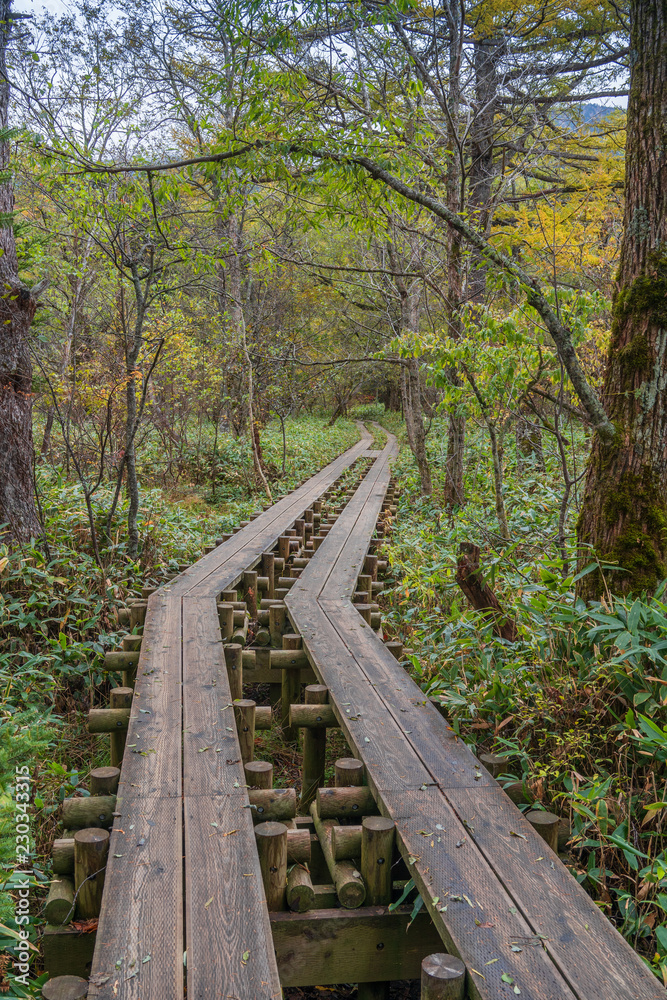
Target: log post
<point>300,892</point>
<point>443,978</point>
<point>547,825</point>
<point>244,710</point>
<point>250,591</point>
<point>345,876</point>
<point>120,698</point>
<point>272,850</point>
<point>277,617</point>
<point>258,774</point>
<point>59,906</point>
<point>234,663</point>
<point>283,548</point>
<point>268,570</point>
<point>314,751</point>
<point>494,763</point>
<point>346,842</point>
<point>104,780</point>
<point>91,849</point>
<point>65,988</point>
<point>94,810</point>
<point>226,618</point>
<point>377,845</point>
<point>62,856</point>
<point>276,804</point>
<point>290,691</point>
<point>345,803</point>
<point>348,772</point>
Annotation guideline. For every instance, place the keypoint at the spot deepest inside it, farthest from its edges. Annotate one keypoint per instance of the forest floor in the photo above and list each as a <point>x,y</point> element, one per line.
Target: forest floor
<point>572,704</point>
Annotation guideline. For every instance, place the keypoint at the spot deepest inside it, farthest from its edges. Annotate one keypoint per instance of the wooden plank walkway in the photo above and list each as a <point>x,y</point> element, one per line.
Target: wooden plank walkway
<point>498,896</point>
<point>183,902</point>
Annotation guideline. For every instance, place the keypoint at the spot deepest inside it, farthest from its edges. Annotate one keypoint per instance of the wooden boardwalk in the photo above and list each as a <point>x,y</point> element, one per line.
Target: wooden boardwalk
<point>183,901</point>
<point>499,897</point>
<point>184,908</point>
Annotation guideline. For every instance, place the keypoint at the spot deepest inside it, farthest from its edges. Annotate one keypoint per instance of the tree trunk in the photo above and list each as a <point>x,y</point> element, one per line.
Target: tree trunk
<point>454,494</point>
<point>624,512</point>
<point>529,453</point>
<point>482,170</point>
<point>17,308</point>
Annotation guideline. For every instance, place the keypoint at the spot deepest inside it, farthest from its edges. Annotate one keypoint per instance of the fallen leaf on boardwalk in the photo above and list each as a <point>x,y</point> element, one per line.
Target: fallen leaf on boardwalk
<point>514,834</point>
<point>146,958</point>
<point>229,833</point>
<point>507,978</point>
<point>208,903</point>
<point>201,749</point>
<point>491,961</point>
<point>516,948</point>
<point>477,973</point>
<point>486,924</point>
<point>246,956</point>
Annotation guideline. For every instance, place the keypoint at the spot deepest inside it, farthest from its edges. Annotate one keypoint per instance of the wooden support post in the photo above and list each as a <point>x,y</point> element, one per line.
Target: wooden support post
<point>138,614</point>
<point>314,751</point>
<point>234,663</point>
<point>91,848</point>
<point>547,825</point>
<point>347,879</point>
<point>396,649</point>
<point>290,691</point>
<point>65,988</point>
<point>104,780</point>
<point>250,591</point>
<point>268,570</point>
<point>346,842</point>
<point>244,711</point>
<point>277,618</point>
<point>443,978</point>
<point>59,906</point>
<point>495,763</point>
<point>258,774</point>
<point>229,596</point>
<point>364,583</point>
<point>345,803</point>
<point>348,772</point>
<point>300,892</point>
<point>299,847</point>
<point>377,845</point>
<point>277,804</point>
<point>62,856</point>
<point>365,610</point>
<point>120,698</point>
<point>94,810</point>
<point>371,566</point>
<point>272,850</point>
<point>226,618</point>
<point>283,548</point>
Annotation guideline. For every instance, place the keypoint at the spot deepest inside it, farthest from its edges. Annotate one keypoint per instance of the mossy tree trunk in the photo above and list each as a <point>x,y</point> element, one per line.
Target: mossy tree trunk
<point>624,513</point>
<point>17,308</point>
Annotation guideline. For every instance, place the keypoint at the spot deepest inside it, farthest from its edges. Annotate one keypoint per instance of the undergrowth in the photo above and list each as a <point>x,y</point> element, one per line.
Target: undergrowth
<point>58,618</point>
<point>578,704</point>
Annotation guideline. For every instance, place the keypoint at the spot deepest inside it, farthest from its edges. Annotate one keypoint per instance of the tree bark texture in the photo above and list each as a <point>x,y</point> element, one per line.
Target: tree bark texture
<point>624,513</point>
<point>17,308</point>
<point>482,171</point>
<point>480,595</point>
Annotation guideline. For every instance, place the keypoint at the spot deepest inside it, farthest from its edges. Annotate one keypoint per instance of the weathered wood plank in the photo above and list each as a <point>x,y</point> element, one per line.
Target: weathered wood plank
<point>325,947</point>
<point>229,952</point>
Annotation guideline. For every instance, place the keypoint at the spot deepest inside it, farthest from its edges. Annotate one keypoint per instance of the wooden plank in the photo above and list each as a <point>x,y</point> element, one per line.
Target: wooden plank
<point>592,955</point>
<point>325,947</point>
<point>484,919</point>
<point>211,754</point>
<point>142,908</point>
<point>229,952</point>
<point>481,922</point>
<point>142,904</point>
<point>221,567</point>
